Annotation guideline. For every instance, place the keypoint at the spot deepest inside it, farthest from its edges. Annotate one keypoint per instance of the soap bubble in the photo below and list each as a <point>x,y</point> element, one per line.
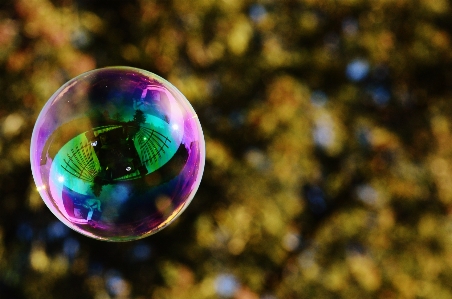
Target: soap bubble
<point>117,153</point>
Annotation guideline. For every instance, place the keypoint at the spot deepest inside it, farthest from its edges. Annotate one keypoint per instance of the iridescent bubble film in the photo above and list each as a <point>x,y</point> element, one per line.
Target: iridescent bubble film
<point>117,153</point>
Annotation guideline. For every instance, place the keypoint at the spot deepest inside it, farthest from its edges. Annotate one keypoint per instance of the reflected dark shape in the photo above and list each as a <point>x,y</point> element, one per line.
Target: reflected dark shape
<point>96,186</point>
<point>80,206</point>
<point>115,152</point>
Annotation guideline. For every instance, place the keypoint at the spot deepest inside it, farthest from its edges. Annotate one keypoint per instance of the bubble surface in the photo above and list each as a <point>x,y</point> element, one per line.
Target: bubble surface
<point>117,153</point>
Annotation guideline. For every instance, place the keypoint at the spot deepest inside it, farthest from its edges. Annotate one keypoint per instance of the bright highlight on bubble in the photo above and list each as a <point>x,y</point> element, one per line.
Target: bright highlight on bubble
<point>117,153</point>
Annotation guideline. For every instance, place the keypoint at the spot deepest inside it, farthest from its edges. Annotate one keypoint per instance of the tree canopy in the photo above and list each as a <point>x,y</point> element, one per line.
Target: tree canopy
<point>328,148</point>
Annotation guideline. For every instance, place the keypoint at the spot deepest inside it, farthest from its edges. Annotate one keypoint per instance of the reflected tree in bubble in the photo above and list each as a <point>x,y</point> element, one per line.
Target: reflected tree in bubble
<point>117,153</point>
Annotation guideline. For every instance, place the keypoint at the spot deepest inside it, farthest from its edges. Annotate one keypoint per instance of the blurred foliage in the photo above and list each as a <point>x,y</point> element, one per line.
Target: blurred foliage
<point>328,137</point>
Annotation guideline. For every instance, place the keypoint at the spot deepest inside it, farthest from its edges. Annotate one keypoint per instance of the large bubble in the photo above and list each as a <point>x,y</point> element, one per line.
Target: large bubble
<point>117,153</point>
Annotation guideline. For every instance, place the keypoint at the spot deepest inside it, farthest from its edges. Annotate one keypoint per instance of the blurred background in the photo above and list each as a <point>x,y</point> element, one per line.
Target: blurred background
<point>328,139</point>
